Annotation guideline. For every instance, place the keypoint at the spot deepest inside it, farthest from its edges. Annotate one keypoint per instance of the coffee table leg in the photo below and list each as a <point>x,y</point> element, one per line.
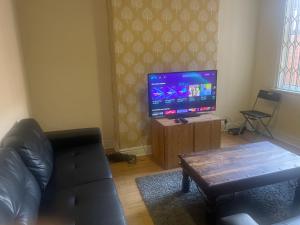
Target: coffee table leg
<point>211,204</point>
<point>186,182</point>
<point>297,192</point>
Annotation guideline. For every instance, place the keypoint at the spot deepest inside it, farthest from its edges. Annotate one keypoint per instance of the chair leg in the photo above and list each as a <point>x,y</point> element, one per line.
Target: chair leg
<point>250,123</point>
<point>247,120</point>
<point>266,128</point>
<point>243,126</point>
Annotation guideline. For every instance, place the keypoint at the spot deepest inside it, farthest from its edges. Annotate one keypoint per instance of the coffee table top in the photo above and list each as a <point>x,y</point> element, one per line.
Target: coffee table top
<point>242,163</point>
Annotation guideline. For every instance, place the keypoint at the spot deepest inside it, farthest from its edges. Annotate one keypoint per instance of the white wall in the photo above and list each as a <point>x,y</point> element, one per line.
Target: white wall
<point>13,98</point>
<point>66,51</point>
<point>236,51</point>
<point>286,125</point>
<point>104,59</point>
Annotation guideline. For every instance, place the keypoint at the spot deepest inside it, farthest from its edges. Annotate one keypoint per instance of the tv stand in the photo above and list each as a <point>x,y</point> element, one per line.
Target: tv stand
<point>170,139</point>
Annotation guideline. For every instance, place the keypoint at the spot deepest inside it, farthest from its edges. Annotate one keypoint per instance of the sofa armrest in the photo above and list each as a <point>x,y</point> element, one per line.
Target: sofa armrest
<point>238,219</point>
<point>75,137</point>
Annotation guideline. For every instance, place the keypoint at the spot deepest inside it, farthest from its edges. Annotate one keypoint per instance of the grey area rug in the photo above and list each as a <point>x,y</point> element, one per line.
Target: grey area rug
<point>169,206</point>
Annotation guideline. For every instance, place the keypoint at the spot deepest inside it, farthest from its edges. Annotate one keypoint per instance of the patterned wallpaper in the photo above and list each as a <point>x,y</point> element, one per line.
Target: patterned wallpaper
<point>157,36</point>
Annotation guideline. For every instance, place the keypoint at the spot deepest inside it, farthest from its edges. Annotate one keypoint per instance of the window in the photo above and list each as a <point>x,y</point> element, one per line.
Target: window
<point>289,69</point>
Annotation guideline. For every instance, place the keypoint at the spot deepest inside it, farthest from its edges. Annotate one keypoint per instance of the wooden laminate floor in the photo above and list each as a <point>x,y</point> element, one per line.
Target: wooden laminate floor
<point>124,176</point>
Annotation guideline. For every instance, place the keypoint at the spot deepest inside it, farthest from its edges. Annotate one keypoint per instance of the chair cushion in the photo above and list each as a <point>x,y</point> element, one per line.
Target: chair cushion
<point>19,192</point>
<point>28,139</point>
<point>80,165</point>
<point>256,114</point>
<point>95,203</point>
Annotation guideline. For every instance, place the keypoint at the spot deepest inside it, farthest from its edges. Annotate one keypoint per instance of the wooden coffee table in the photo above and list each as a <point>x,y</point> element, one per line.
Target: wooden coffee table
<point>235,169</point>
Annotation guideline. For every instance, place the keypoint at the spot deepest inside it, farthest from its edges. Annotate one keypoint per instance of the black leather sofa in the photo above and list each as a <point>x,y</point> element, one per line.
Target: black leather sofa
<point>245,219</point>
<point>56,178</point>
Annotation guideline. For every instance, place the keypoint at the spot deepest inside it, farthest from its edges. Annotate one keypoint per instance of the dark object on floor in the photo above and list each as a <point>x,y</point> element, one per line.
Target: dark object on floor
<point>256,115</point>
<point>119,157</point>
<point>236,131</point>
<point>61,175</point>
<point>167,205</point>
<point>245,219</point>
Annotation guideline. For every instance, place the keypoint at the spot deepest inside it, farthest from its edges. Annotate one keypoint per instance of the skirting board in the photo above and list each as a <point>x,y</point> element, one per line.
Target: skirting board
<point>280,136</point>
<point>138,151</point>
<point>294,141</point>
<point>146,150</point>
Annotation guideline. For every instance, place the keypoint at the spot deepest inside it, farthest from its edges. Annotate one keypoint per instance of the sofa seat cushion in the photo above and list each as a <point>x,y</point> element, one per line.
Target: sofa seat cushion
<point>95,203</point>
<point>29,141</point>
<point>80,165</point>
<point>19,192</point>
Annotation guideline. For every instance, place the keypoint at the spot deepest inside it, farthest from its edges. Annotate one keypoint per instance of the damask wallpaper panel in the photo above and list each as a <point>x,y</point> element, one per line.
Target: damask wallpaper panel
<point>156,36</point>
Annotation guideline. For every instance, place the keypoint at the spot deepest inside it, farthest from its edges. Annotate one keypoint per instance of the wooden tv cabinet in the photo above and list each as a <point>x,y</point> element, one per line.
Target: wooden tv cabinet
<point>170,139</point>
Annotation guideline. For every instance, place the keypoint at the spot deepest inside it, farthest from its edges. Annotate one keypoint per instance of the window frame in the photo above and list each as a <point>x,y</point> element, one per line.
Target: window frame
<point>280,56</point>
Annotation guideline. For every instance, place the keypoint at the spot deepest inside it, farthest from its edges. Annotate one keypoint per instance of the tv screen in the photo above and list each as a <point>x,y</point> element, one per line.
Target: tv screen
<point>178,93</point>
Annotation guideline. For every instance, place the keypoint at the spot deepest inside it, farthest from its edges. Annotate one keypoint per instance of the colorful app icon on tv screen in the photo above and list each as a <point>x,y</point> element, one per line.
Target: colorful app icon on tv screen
<point>179,93</point>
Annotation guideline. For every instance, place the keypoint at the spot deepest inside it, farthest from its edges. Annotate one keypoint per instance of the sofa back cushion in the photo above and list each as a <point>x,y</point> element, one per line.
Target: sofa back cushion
<point>28,139</point>
<point>19,192</point>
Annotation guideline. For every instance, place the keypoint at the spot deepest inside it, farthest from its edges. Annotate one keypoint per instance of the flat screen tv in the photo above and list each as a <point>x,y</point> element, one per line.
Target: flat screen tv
<point>182,94</point>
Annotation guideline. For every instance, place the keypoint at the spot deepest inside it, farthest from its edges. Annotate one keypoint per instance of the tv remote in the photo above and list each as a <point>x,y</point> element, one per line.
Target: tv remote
<point>177,120</point>
<point>184,121</point>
